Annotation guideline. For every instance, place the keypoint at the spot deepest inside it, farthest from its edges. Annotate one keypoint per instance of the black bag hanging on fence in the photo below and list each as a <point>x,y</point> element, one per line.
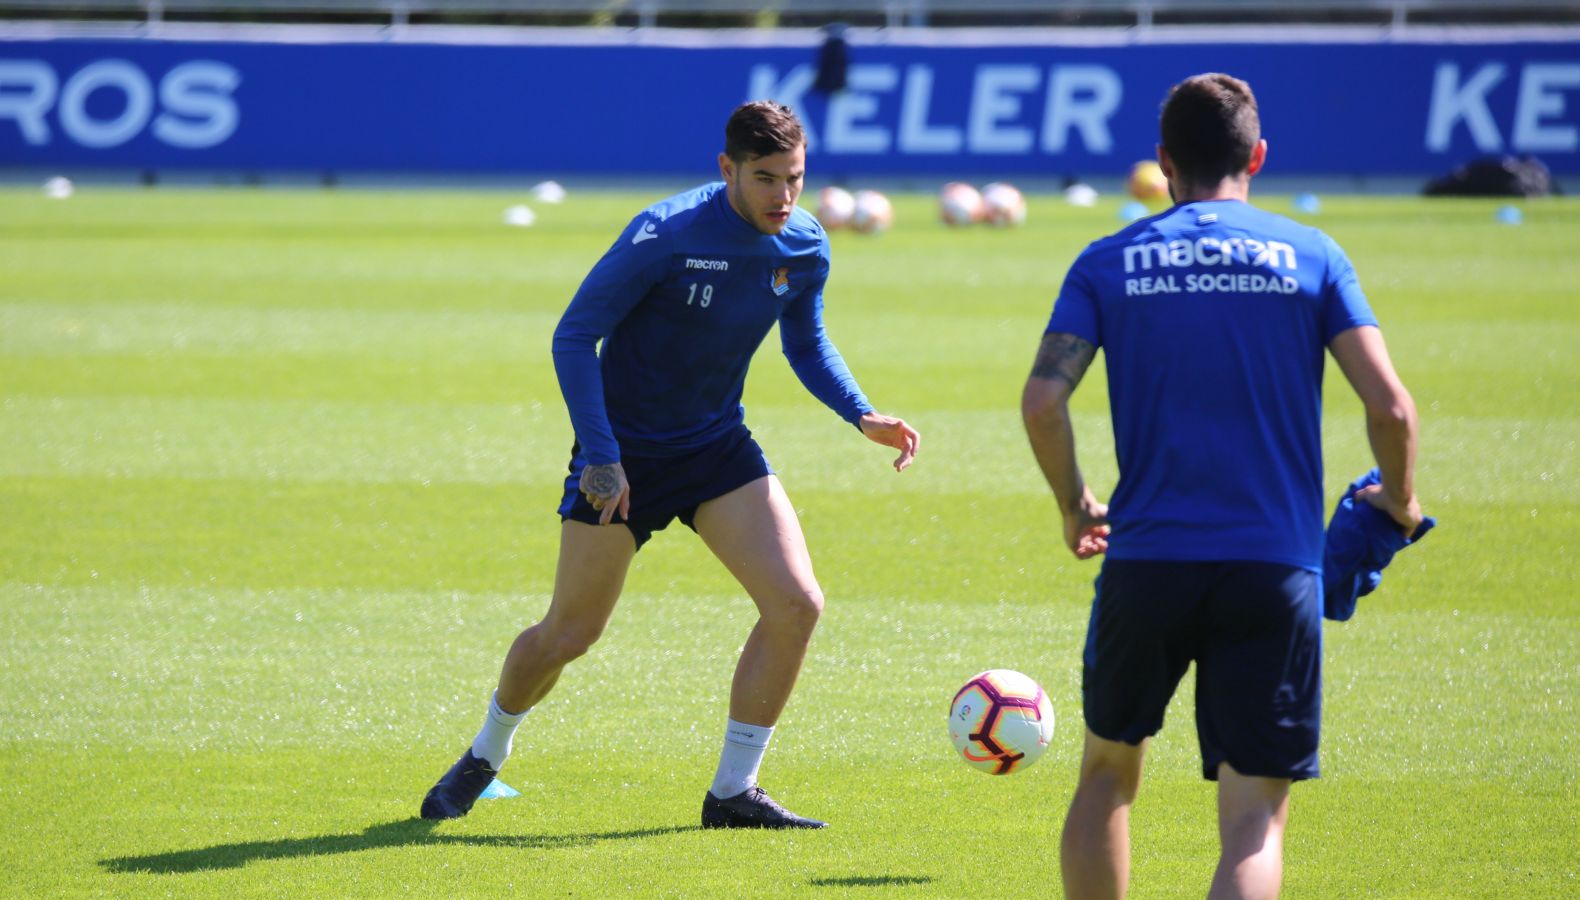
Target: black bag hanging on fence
<point>1496,176</point>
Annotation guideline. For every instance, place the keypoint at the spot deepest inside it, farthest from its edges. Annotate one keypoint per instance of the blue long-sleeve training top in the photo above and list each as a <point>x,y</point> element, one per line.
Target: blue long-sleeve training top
<point>681,302</point>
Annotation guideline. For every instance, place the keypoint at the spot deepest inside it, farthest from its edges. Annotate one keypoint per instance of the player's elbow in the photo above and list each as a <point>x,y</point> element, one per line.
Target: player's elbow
<point>560,340</point>
<point>1044,402</point>
<point>1393,411</point>
<point>799,356</point>
<point>570,338</point>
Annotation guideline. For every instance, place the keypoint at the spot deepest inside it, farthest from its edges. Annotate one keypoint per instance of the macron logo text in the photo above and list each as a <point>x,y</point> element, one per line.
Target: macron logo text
<point>1209,251</point>
<point>715,265</point>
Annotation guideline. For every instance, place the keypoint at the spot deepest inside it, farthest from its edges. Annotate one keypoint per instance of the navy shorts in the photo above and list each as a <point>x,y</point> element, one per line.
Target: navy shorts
<point>1254,630</point>
<point>670,487</point>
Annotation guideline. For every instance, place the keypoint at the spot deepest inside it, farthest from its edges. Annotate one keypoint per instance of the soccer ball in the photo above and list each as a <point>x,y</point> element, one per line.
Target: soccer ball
<point>873,212</point>
<point>835,206</point>
<point>1147,182</point>
<point>1001,721</point>
<point>1004,205</point>
<point>960,204</point>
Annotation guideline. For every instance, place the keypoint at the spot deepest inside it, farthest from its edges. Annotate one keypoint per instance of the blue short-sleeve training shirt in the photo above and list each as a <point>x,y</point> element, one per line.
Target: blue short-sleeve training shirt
<point>1213,318</point>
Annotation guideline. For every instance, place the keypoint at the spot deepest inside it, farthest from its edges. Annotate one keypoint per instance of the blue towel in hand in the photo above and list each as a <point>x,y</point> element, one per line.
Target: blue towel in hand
<point>1361,542</point>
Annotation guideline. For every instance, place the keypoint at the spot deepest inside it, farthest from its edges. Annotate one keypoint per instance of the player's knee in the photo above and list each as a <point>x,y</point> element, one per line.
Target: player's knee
<point>798,610</point>
<point>570,642</point>
<point>809,606</point>
<point>1111,776</point>
<point>1115,787</point>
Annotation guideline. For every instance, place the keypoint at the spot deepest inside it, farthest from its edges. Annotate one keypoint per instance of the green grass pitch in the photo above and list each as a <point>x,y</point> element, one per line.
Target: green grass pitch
<point>277,480</point>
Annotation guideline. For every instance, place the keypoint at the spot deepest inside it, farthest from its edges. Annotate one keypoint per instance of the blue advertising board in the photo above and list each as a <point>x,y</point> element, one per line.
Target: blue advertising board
<point>1362,107</point>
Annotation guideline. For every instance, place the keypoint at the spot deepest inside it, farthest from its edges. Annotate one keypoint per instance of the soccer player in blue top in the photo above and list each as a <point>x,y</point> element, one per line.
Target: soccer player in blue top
<point>681,301</point>
<point>1214,317</point>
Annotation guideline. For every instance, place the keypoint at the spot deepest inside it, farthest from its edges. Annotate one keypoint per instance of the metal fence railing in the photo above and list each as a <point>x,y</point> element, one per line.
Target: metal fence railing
<point>892,13</point>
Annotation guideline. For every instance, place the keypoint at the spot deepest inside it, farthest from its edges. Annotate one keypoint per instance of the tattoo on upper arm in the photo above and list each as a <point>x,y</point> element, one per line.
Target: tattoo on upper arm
<point>1063,356</point>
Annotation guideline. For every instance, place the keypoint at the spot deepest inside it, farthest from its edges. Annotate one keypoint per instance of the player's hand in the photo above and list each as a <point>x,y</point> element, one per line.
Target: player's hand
<point>1086,527</point>
<point>892,432</point>
<point>607,490</point>
<point>1406,515</point>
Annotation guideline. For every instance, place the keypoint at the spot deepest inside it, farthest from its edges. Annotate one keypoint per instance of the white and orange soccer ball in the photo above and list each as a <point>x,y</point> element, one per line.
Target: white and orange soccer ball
<point>960,204</point>
<point>835,206</point>
<point>1147,182</point>
<point>1001,721</point>
<point>1003,204</point>
<point>873,212</point>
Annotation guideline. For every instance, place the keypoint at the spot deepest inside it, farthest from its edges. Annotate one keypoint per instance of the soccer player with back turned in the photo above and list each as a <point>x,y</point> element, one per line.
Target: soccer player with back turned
<point>1214,317</point>
<point>681,301</point>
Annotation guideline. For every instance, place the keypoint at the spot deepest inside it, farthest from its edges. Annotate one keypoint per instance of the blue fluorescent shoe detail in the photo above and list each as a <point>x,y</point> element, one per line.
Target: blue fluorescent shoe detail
<point>460,787</point>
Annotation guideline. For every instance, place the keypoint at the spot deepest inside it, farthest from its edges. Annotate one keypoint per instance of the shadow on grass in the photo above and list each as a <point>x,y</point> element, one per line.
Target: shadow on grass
<point>400,833</point>
<point>872,881</point>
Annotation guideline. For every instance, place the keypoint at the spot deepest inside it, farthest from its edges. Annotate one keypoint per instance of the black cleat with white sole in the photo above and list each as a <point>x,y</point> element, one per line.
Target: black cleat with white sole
<point>752,808</point>
<point>460,787</point>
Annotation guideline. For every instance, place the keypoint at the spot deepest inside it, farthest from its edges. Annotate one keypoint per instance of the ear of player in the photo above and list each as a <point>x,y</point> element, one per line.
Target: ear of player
<point>1001,722</point>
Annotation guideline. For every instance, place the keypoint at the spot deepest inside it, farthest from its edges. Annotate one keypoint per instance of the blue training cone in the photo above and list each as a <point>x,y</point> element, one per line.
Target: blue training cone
<point>1510,215</point>
<point>498,790</point>
<point>1308,203</point>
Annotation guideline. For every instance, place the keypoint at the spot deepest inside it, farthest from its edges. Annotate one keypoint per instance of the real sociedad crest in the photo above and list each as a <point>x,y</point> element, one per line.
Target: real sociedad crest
<point>781,281</point>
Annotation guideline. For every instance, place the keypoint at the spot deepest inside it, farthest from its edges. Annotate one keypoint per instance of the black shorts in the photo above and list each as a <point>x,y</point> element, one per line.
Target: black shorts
<point>670,487</point>
<point>1254,630</point>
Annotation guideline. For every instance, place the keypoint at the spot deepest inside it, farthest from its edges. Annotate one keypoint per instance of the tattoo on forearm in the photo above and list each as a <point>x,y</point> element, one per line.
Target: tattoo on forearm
<point>600,481</point>
<point>1063,356</point>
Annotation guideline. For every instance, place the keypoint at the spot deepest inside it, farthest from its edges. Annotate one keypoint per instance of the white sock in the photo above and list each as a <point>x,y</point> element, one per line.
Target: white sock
<point>744,746</point>
<point>492,744</point>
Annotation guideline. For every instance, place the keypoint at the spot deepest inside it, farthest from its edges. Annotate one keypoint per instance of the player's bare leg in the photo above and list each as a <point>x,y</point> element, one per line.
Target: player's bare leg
<point>1094,853</point>
<point>754,531</point>
<point>592,566</point>
<point>1252,813</point>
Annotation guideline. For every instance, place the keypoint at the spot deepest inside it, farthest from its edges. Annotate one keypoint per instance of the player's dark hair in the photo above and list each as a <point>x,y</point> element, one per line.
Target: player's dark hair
<point>1209,127</point>
<point>761,128</point>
